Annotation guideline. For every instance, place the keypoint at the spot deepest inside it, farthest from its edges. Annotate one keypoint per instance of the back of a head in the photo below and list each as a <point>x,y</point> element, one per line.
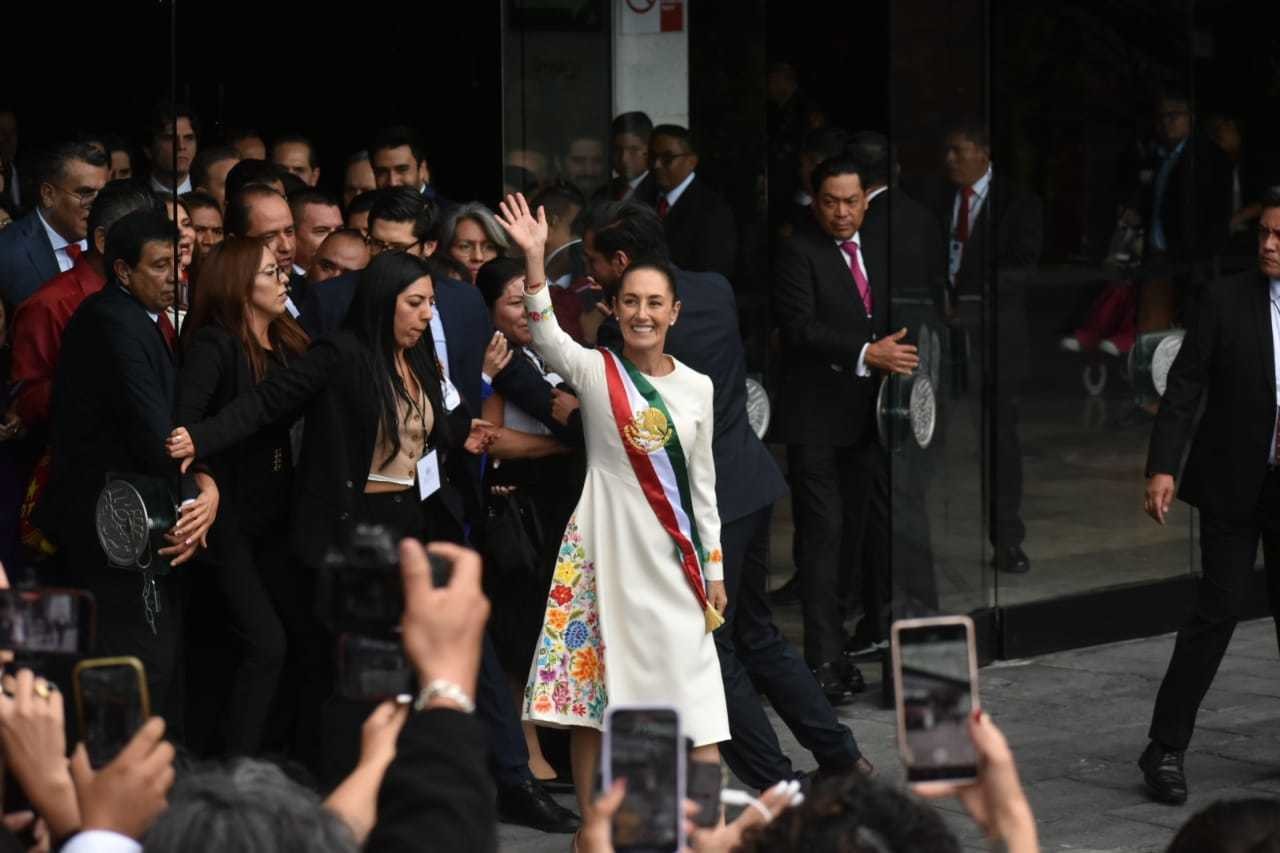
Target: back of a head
<point>854,814</point>
<point>252,172</point>
<point>1231,826</point>
<point>116,201</point>
<point>250,807</point>
<point>205,160</point>
<point>627,226</point>
<point>872,150</point>
<point>560,199</point>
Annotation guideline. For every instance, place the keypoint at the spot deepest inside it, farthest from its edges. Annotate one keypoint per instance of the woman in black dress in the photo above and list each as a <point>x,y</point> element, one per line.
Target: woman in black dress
<point>237,334</point>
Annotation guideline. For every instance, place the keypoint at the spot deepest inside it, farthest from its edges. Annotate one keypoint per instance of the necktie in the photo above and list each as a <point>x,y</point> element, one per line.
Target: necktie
<point>166,329</point>
<point>663,207</point>
<point>850,248</point>
<point>73,252</point>
<point>962,219</point>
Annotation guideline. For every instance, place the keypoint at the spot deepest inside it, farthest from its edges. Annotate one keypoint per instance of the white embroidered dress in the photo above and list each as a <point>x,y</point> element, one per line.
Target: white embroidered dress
<point>622,624</point>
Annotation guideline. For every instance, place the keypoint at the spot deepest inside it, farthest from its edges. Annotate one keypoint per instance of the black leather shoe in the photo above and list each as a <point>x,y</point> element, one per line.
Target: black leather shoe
<point>529,804</point>
<point>839,680</point>
<point>1162,769</point>
<point>788,593</point>
<point>1012,560</point>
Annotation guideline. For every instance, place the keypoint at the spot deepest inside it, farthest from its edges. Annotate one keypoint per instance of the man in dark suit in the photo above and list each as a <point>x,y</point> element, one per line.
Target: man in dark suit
<point>996,233</point>
<point>112,410</point>
<point>698,223</point>
<point>49,239</point>
<point>260,212</point>
<point>1228,368</point>
<point>753,654</point>
<point>831,299</point>
<point>399,159</point>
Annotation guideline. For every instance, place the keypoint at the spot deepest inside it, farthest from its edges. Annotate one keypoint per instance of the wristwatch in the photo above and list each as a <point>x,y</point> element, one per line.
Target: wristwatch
<point>441,689</point>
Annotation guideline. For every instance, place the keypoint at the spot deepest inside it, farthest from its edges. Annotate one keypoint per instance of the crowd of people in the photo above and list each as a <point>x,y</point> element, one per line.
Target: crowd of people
<point>555,390</point>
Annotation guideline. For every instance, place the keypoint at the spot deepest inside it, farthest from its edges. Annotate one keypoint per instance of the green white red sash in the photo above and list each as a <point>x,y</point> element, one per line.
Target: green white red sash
<point>653,447</point>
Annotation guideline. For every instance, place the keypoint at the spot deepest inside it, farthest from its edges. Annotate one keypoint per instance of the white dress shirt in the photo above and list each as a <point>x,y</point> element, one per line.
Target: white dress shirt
<point>878,191</point>
<point>101,841</point>
<point>861,369</point>
<point>674,194</point>
<point>59,243</point>
<point>1275,354</point>
<point>976,201</point>
<point>167,189</point>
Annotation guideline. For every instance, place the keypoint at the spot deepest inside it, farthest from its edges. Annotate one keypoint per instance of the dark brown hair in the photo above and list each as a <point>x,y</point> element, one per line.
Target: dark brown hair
<point>222,296</point>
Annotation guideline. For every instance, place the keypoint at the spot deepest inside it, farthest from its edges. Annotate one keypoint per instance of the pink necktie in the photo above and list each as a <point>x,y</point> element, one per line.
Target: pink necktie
<point>850,248</point>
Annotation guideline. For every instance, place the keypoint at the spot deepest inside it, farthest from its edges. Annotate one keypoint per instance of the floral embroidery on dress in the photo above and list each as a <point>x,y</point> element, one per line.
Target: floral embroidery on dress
<point>539,316</point>
<point>567,682</point>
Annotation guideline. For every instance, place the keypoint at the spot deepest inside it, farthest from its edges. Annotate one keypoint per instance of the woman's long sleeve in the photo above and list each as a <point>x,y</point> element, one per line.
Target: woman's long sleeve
<point>562,353</point>
<point>281,393</point>
<point>702,485</point>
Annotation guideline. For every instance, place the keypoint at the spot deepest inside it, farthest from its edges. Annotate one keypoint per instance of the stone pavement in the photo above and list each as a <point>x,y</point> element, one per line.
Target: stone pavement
<point>1077,721</point>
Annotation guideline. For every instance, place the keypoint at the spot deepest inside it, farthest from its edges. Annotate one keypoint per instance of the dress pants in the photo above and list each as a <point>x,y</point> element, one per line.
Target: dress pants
<point>840,503</point>
<point>753,653</point>
<point>1228,549</point>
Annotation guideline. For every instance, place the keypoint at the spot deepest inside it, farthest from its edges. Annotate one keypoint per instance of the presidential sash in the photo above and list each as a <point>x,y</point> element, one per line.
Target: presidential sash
<point>657,457</point>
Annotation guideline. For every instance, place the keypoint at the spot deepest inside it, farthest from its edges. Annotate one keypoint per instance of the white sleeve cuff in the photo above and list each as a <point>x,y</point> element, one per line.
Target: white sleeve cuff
<point>101,841</point>
<point>862,369</point>
<point>486,379</point>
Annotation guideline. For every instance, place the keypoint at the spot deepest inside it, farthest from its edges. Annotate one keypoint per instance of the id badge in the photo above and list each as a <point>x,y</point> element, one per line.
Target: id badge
<point>428,475</point>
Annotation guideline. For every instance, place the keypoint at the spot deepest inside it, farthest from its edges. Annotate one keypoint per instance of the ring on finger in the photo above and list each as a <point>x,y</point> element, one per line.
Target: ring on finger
<point>42,689</point>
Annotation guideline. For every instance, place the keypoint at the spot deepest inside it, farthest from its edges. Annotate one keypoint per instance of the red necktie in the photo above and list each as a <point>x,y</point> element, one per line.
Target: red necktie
<point>166,329</point>
<point>73,252</point>
<point>663,207</point>
<point>962,219</point>
<point>850,248</point>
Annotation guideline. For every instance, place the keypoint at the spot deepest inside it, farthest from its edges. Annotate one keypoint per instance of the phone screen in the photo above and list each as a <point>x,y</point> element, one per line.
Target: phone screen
<point>45,621</point>
<point>113,706</point>
<point>645,748</point>
<point>936,699</point>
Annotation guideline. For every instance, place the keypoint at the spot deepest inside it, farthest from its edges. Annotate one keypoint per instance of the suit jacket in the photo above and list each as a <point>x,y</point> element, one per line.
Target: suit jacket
<point>824,328</point>
<point>334,386</point>
<point>1196,207</point>
<point>1005,241</point>
<point>701,233</point>
<point>26,259</point>
<point>112,411</point>
<point>467,327</point>
<point>706,338</point>
<point>437,793</point>
<point>916,245</point>
<point>1226,363</point>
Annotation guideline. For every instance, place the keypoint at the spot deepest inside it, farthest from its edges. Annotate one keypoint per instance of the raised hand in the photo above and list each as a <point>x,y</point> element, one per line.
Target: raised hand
<point>497,355</point>
<point>527,231</point>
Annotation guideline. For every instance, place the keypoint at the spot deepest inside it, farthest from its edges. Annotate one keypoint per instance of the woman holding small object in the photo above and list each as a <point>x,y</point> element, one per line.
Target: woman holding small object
<point>638,585</point>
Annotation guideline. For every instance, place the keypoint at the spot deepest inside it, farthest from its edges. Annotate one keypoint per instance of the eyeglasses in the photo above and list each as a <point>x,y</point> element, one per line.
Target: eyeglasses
<point>665,160</point>
<point>276,272</point>
<point>377,246</point>
<point>85,196</point>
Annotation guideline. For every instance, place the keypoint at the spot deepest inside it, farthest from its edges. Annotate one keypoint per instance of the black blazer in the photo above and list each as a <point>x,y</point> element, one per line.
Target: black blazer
<point>824,327</point>
<point>916,246</point>
<point>1226,363</point>
<point>215,371</point>
<point>26,259</point>
<point>467,327</point>
<point>334,384</point>
<point>437,794</point>
<point>701,233</point>
<point>520,383</point>
<point>112,410</point>
<point>706,338</point>
<point>1196,207</point>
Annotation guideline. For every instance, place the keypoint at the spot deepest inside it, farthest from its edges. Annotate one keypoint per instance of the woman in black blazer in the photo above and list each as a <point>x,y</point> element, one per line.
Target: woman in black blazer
<point>362,391</point>
<point>238,333</point>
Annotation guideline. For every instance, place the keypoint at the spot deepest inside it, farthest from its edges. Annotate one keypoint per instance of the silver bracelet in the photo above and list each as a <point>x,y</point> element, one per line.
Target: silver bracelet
<point>441,689</point>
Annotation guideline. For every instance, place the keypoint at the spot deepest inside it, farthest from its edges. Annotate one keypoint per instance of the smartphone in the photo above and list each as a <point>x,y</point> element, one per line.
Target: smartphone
<point>703,782</point>
<point>371,670</point>
<point>112,703</point>
<point>644,745</point>
<point>46,621</point>
<point>935,679</point>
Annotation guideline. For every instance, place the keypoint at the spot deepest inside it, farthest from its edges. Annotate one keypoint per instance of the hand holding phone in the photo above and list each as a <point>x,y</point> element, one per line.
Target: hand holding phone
<point>644,747</point>
<point>46,621</point>
<point>443,626</point>
<point>935,676</point>
<point>112,704</point>
<point>128,794</point>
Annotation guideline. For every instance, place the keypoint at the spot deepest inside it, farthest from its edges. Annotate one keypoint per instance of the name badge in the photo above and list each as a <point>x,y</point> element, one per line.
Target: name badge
<point>451,396</point>
<point>428,475</point>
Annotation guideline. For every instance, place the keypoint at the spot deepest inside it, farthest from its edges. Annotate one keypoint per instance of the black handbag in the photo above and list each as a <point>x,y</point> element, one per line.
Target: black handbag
<point>513,537</point>
<point>133,513</point>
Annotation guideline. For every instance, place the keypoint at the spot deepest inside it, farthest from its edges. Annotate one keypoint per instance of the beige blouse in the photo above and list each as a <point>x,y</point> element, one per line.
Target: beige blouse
<point>416,421</point>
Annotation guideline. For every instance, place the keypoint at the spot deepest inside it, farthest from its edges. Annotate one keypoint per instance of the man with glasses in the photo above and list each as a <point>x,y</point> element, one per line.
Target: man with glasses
<point>48,240</point>
<point>698,223</point>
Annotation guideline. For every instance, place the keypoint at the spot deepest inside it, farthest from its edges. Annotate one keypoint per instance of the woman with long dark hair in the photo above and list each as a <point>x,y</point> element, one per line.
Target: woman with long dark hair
<point>236,335</point>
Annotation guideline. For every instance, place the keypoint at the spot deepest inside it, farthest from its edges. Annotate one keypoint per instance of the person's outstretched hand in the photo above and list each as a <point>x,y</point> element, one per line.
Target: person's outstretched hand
<point>596,835</point>
<point>128,794</point>
<point>497,355</point>
<point>481,437</point>
<point>528,231</point>
<point>443,627</point>
<point>727,837</point>
<point>995,801</point>
<point>35,749</point>
<point>356,799</point>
